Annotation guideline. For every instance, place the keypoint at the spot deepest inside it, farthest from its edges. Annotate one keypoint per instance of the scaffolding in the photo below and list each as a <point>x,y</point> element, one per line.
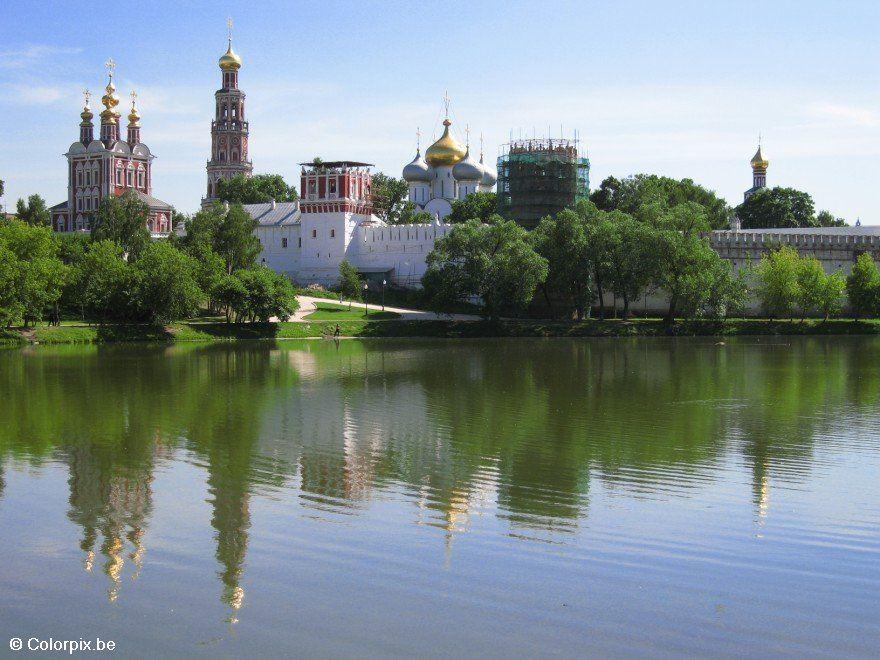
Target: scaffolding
<point>540,177</point>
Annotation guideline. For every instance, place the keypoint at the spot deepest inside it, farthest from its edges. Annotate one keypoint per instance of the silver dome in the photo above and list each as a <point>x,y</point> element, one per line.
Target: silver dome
<point>467,169</point>
<point>417,170</point>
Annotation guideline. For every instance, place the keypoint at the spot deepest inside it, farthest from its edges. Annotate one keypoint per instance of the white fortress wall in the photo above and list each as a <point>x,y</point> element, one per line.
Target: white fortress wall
<point>399,248</point>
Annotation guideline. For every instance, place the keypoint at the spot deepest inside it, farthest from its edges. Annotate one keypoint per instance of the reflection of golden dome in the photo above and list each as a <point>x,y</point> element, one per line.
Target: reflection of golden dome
<point>230,61</point>
<point>446,150</point>
<point>758,161</point>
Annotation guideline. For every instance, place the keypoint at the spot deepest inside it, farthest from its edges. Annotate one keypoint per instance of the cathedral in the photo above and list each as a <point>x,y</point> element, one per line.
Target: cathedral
<point>447,172</point>
<point>109,165</point>
<point>229,129</point>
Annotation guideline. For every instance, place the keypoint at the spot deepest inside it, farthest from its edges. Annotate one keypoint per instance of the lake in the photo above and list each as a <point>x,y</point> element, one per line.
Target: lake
<point>488,498</point>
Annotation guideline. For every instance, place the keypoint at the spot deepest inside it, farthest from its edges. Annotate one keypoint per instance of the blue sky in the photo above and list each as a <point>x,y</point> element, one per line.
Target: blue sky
<point>675,88</point>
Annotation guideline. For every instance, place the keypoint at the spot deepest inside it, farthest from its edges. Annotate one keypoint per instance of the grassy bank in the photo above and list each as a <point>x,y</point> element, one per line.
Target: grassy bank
<point>199,331</point>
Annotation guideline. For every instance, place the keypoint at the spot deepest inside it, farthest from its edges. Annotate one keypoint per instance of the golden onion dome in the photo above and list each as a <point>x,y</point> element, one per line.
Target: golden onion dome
<point>230,61</point>
<point>446,151</point>
<point>86,114</point>
<point>134,116</point>
<point>758,161</point>
<point>110,101</point>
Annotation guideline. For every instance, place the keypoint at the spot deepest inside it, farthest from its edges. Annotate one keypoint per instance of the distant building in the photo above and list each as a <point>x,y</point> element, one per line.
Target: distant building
<point>229,129</point>
<point>540,177</point>
<point>108,166</point>
<point>447,172</point>
<point>759,173</point>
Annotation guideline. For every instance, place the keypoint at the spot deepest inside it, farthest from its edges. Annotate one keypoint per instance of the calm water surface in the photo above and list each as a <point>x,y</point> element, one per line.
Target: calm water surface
<point>432,498</point>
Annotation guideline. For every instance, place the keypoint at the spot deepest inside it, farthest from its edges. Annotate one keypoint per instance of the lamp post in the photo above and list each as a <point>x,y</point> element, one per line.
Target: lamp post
<point>383,293</point>
<point>366,306</point>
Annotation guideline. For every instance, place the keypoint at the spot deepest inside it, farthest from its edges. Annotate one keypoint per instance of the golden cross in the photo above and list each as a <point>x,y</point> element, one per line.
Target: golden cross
<point>418,138</point>
<point>87,95</point>
<point>446,102</point>
<point>110,64</point>
<point>229,28</point>
<point>467,134</point>
<point>134,97</point>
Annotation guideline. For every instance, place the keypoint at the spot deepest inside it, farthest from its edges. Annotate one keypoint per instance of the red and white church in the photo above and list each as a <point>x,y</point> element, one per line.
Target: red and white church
<point>108,166</point>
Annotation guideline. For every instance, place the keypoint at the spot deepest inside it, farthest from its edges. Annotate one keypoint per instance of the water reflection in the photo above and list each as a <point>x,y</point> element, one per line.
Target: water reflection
<point>514,430</point>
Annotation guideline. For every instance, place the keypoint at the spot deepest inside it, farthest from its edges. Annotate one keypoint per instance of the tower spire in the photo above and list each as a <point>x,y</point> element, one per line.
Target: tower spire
<point>110,115</point>
<point>134,127</point>
<point>86,128</point>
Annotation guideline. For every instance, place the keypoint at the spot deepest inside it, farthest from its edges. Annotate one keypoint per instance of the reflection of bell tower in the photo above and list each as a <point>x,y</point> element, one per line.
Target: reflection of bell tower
<point>113,500</point>
<point>229,130</point>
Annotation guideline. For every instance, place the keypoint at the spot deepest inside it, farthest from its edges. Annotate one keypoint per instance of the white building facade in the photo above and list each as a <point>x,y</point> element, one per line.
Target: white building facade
<point>308,239</point>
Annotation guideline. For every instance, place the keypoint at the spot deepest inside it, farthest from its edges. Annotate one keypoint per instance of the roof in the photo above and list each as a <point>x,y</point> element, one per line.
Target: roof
<point>61,206</point>
<point>336,163</point>
<point>850,230</point>
<point>284,213</point>
<point>153,202</point>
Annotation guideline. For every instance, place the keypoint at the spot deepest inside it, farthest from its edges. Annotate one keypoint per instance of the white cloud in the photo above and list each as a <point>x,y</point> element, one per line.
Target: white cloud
<point>23,57</point>
<point>849,114</point>
<point>19,94</point>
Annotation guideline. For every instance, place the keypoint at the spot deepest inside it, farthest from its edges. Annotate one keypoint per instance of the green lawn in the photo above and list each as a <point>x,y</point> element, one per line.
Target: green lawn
<point>331,312</point>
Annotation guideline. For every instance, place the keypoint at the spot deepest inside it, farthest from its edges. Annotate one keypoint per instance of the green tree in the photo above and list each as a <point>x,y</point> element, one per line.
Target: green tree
<point>268,294</point>
<point>106,283</point>
<point>633,193</point>
<point>778,282</point>
<point>230,295</point>
<point>34,212</point>
<point>810,285</point>
<point>123,220</point>
<point>410,214</point>
<point>11,309</point>
<point>633,258</point>
<point>31,256</point>
<point>389,197</point>
<point>777,207</point>
<point>235,240</point>
<point>349,281</point>
<point>165,283</point>
<point>256,189</point>
<point>827,219</point>
<point>476,206</point>
<point>605,196</point>
<point>863,287</point>
<point>562,241</point>
<point>831,295</point>
<point>494,262</point>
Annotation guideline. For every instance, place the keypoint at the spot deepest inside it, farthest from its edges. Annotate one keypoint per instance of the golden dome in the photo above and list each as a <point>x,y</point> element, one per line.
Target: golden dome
<point>86,114</point>
<point>230,61</point>
<point>446,150</point>
<point>758,161</point>
<point>110,101</point>
<point>134,116</point>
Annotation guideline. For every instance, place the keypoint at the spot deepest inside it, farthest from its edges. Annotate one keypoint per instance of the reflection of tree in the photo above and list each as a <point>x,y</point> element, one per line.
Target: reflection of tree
<point>455,425</point>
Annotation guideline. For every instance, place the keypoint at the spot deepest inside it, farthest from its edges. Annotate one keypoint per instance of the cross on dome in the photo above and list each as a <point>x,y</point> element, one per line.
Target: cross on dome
<point>110,64</point>
<point>86,96</point>
<point>446,103</point>
<point>229,28</point>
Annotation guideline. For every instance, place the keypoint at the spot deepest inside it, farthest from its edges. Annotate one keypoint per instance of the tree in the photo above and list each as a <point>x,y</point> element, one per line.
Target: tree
<point>476,206</point>
<point>34,212</point>
<point>810,285</point>
<point>230,295</point>
<point>633,258</point>
<point>827,219</point>
<point>210,269</point>
<point>106,283</point>
<point>562,241</point>
<point>349,281</point>
<point>777,207</point>
<point>123,220</point>
<point>831,294</point>
<point>633,193</point>
<point>410,214</point>
<point>683,254</point>
<point>165,283</point>
<point>234,239</point>
<point>389,197</point>
<point>778,282</point>
<point>863,287</point>
<point>494,262</point>
<point>256,189</point>
<point>605,197</point>
<point>30,258</point>
<point>268,294</point>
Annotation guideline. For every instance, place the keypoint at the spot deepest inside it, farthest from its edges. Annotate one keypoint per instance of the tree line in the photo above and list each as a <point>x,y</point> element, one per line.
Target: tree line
<point>118,274</point>
<point>646,235</point>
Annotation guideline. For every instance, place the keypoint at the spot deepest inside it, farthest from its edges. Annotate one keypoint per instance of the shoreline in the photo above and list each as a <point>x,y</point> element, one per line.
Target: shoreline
<point>452,329</point>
